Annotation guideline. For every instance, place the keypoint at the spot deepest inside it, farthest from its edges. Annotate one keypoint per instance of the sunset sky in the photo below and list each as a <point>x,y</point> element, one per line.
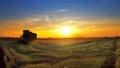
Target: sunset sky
<point>85,18</point>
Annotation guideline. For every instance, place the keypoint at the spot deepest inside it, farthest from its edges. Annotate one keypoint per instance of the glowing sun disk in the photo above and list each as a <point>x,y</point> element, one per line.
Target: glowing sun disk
<point>65,30</point>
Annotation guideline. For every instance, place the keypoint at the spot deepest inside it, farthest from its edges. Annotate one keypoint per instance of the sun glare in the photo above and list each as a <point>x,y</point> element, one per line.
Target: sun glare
<point>65,30</point>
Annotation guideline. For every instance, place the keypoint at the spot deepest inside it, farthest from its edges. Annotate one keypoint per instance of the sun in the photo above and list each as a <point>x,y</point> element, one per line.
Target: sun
<point>65,30</point>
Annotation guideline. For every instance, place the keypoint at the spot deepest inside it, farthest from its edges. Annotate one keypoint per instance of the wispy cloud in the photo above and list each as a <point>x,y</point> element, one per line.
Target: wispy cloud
<point>39,19</point>
<point>61,10</point>
<point>47,19</point>
<point>32,19</point>
<point>58,11</point>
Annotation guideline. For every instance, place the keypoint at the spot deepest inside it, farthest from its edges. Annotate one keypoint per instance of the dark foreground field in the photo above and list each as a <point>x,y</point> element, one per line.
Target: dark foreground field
<point>61,53</point>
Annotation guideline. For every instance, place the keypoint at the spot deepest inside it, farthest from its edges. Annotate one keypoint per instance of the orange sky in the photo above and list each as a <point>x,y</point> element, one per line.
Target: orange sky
<point>79,28</point>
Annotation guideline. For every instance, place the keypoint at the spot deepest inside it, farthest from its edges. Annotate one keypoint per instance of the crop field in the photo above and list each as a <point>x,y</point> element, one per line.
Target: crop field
<point>62,53</point>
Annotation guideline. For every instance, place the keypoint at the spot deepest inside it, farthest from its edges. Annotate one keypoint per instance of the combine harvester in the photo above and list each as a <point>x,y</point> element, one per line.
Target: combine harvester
<point>27,37</point>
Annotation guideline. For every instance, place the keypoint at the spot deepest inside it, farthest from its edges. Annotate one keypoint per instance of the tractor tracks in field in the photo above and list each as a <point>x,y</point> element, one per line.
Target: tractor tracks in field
<point>110,62</point>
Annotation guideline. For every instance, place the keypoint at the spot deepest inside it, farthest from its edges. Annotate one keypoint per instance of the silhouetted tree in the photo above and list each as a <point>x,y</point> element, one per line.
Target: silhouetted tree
<point>27,37</point>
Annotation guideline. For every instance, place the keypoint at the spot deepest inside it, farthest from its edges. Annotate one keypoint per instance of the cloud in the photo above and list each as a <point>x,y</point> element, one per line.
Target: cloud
<point>42,19</point>
<point>47,19</point>
<point>61,10</point>
<point>32,19</point>
<point>58,11</point>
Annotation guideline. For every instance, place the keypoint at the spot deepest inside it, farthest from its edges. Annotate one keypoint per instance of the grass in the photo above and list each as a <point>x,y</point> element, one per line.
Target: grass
<point>118,54</point>
<point>72,53</point>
